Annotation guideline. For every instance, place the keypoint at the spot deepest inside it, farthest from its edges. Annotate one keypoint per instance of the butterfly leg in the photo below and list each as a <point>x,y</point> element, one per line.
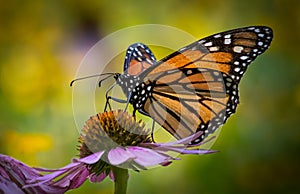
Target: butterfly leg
<point>114,99</point>
<point>108,97</point>
<point>133,113</point>
<point>107,104</point>
<point>127,101</point>
<point>152,131</point>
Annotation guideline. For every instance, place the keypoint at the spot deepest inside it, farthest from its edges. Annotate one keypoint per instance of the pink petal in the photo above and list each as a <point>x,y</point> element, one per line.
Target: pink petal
<point>15,176</point>
<point>184,141</point>
<point>69,166</point>
<point>68,179</point>
<point>91,159</point>
<point>119,155</point>
<point>79,179</point>
<point>183,150</point>
<point>166,163</point>
<point>147,157</point>
<point>97,178</point>
<point>16,168</point>
<point>111,175</point>
<point>7,186</point>
<point>54,174</point>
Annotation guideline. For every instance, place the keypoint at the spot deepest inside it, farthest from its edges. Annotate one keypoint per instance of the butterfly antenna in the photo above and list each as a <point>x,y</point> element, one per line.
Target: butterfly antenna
<point>100,82</point>
<point>81,78</point>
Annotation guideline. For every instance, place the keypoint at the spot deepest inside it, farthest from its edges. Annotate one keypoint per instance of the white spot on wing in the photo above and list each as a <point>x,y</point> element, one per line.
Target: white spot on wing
<point>208,44</point>
<point>182,49</point>
<point>227,36</point>
<point>244,57</point>
<point>237,69</point>
<point>227,41</point>
<point>201,41</point>
<point>214,48</point>
<point>238,49</point>
<point>216,73</point>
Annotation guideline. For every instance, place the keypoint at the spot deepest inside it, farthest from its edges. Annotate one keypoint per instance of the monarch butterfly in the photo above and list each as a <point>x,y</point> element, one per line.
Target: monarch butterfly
<point>195,88</point>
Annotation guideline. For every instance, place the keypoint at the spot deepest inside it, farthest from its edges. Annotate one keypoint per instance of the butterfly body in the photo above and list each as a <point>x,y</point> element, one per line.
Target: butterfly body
<point>195,88</point>
<point>138,92</point>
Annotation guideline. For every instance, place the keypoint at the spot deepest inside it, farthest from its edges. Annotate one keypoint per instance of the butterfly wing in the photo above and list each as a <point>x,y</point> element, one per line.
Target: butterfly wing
<point>196,88</point>
<point>138,58</point>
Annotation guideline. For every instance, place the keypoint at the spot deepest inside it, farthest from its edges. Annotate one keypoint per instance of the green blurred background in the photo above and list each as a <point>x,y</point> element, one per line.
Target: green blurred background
<point>43,42</point>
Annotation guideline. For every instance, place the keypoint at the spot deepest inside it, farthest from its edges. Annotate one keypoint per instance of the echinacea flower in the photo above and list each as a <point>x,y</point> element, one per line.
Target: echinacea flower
<point>115,139</point>
<point>110,144</point>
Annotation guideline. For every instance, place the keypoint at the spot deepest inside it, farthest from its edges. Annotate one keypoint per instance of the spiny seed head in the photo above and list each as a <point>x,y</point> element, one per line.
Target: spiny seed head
<point>108,130</point>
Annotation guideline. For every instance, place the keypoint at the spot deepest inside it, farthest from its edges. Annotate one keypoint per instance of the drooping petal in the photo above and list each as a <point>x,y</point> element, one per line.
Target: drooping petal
<point>166,163</point>
<point>62,180</point>
<point>79,179</point>
<point>15,173</point>
<point>184,141</point>
<point>91,159</point>
<point>16,169</point>
<point>72,178</point>
<point>7,186</point>
<point>147,157</point>
<point>69,177</point>
<point>69,166</point>
<point>183,150</point>
<point>97,178</point>
<point>118,156</point>
<point>111,175</point>
<point>181,146</point>
<point>55,174</point>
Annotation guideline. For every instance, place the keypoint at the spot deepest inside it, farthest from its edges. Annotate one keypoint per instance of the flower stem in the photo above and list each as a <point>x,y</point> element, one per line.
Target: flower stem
<point>121,179</point>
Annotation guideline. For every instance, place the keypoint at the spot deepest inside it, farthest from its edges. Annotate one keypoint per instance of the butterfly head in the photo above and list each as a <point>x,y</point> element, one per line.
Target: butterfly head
<point>116,76</point>
<point>127,82</point>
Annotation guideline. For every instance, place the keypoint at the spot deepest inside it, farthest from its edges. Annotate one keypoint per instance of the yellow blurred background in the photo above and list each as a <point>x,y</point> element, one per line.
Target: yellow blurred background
<point>43,42</point>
